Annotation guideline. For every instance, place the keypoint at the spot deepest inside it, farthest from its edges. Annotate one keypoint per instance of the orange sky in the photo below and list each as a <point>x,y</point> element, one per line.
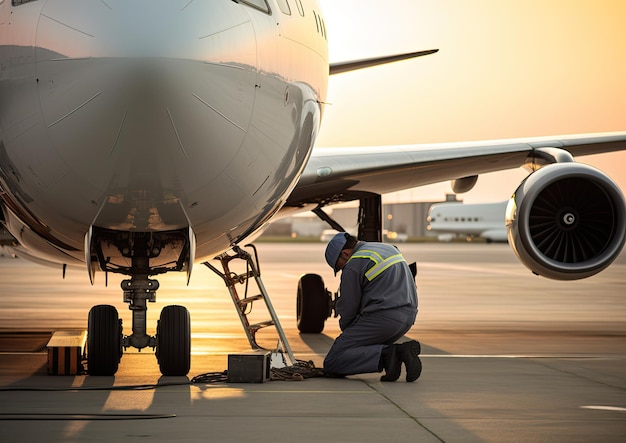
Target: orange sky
<point>505,70</point>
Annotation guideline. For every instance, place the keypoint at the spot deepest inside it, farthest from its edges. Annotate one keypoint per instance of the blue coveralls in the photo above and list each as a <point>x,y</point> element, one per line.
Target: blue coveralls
<point>377,306</point>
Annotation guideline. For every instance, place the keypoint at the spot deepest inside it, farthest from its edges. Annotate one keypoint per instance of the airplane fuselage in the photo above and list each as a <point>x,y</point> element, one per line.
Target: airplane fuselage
<point>480,219</point>
<point>154,116</point>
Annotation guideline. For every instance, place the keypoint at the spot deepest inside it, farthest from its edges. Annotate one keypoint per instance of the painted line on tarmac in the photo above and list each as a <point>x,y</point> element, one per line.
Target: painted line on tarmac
<point>473,269</point>
<point>605,408</point>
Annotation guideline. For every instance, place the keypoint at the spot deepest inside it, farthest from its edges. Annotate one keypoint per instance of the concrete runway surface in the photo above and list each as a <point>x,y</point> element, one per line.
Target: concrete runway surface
<point>507,356</point>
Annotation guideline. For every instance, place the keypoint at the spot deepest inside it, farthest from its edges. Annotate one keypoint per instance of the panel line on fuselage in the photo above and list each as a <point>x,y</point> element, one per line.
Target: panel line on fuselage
<point>180,142</point>
<point>217,112</point>
<point>67,26</point>
<point>74,110</point>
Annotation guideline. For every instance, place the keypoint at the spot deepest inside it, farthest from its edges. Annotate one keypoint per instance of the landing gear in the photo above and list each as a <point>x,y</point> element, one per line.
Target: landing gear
<point>139,252</point>
<point>314,304</point>
<point>104,340</point>
<point>173,351</point>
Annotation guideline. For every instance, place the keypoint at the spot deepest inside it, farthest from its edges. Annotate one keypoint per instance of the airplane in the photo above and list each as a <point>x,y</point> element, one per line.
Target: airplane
<point>485,220</point>
<point>143,137</point>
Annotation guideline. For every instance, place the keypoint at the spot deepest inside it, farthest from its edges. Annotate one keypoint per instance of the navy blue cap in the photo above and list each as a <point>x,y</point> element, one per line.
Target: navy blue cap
<point>334,248</point>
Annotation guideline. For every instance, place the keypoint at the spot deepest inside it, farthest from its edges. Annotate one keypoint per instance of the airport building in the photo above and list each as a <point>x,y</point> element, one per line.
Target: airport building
<point>404,220</point>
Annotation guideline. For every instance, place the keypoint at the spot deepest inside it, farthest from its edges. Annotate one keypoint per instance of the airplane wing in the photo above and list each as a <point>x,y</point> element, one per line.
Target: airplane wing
<point>341,67</point>
<point>565,221</point>
<point>345,174</point>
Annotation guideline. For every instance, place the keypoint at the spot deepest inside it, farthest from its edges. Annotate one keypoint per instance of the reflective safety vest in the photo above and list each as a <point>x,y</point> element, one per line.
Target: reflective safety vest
<point>380,263</point>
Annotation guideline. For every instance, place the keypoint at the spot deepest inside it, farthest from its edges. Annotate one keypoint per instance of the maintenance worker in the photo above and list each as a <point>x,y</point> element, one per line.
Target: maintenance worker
<point>377,305</point>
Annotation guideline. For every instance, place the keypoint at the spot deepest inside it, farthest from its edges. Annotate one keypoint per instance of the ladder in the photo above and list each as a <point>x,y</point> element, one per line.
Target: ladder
<point>242,304</point>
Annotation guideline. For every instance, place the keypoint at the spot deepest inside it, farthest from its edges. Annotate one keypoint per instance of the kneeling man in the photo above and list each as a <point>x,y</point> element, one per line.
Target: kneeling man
<point>377,305</point>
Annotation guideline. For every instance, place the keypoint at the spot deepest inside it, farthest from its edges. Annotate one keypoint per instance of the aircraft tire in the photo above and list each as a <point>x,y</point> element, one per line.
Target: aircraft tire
<point>104,340</point>
<point>174,341</point>
<point>313,304</point>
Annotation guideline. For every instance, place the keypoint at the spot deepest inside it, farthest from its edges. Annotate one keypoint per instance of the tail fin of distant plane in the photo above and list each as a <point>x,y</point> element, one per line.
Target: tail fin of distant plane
<point>338,68</point>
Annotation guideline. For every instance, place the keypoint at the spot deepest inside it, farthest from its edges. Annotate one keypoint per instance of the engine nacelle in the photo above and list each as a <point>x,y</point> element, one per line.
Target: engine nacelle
<point>567,221</point>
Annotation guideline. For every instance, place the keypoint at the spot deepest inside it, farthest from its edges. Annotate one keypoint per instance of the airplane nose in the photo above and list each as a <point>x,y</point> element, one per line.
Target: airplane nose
<point>146,81</point>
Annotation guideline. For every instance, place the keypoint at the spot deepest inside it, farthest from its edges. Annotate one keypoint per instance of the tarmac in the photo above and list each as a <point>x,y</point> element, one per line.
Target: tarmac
<point>507,357</point>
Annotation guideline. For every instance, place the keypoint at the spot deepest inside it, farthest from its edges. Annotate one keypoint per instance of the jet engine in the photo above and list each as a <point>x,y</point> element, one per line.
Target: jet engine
<point>567,221</point>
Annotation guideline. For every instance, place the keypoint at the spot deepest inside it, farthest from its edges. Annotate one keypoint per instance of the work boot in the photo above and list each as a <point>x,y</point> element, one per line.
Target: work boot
<point>410,357</point>
<point>391,362</point>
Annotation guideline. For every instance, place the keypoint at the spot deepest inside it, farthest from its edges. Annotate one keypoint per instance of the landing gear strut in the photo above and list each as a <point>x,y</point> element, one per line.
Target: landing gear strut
<point>138,290</point>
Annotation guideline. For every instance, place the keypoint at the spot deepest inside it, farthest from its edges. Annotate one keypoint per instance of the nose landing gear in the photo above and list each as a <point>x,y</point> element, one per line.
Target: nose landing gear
<point>105,339</point>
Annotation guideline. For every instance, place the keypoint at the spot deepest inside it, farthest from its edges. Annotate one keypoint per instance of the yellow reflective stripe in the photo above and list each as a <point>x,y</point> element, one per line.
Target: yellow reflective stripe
<point>380,263</point>
<point>372,255</point>
<point>380,267</point>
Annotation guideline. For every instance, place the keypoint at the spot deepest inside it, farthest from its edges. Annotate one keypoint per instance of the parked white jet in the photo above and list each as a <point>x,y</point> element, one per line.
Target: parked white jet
<point>484,220</point>
<point>138,137</point>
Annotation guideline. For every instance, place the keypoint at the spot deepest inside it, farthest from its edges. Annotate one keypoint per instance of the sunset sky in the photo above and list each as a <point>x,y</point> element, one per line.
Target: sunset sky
<point>505,69</point>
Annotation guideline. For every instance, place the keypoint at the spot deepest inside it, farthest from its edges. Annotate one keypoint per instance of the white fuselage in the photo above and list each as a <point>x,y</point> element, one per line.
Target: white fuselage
<point>480,219</point>
<point>153,115</point>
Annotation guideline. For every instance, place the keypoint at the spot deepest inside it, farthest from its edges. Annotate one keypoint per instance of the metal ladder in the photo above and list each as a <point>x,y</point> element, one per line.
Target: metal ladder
<point>232,279</point>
